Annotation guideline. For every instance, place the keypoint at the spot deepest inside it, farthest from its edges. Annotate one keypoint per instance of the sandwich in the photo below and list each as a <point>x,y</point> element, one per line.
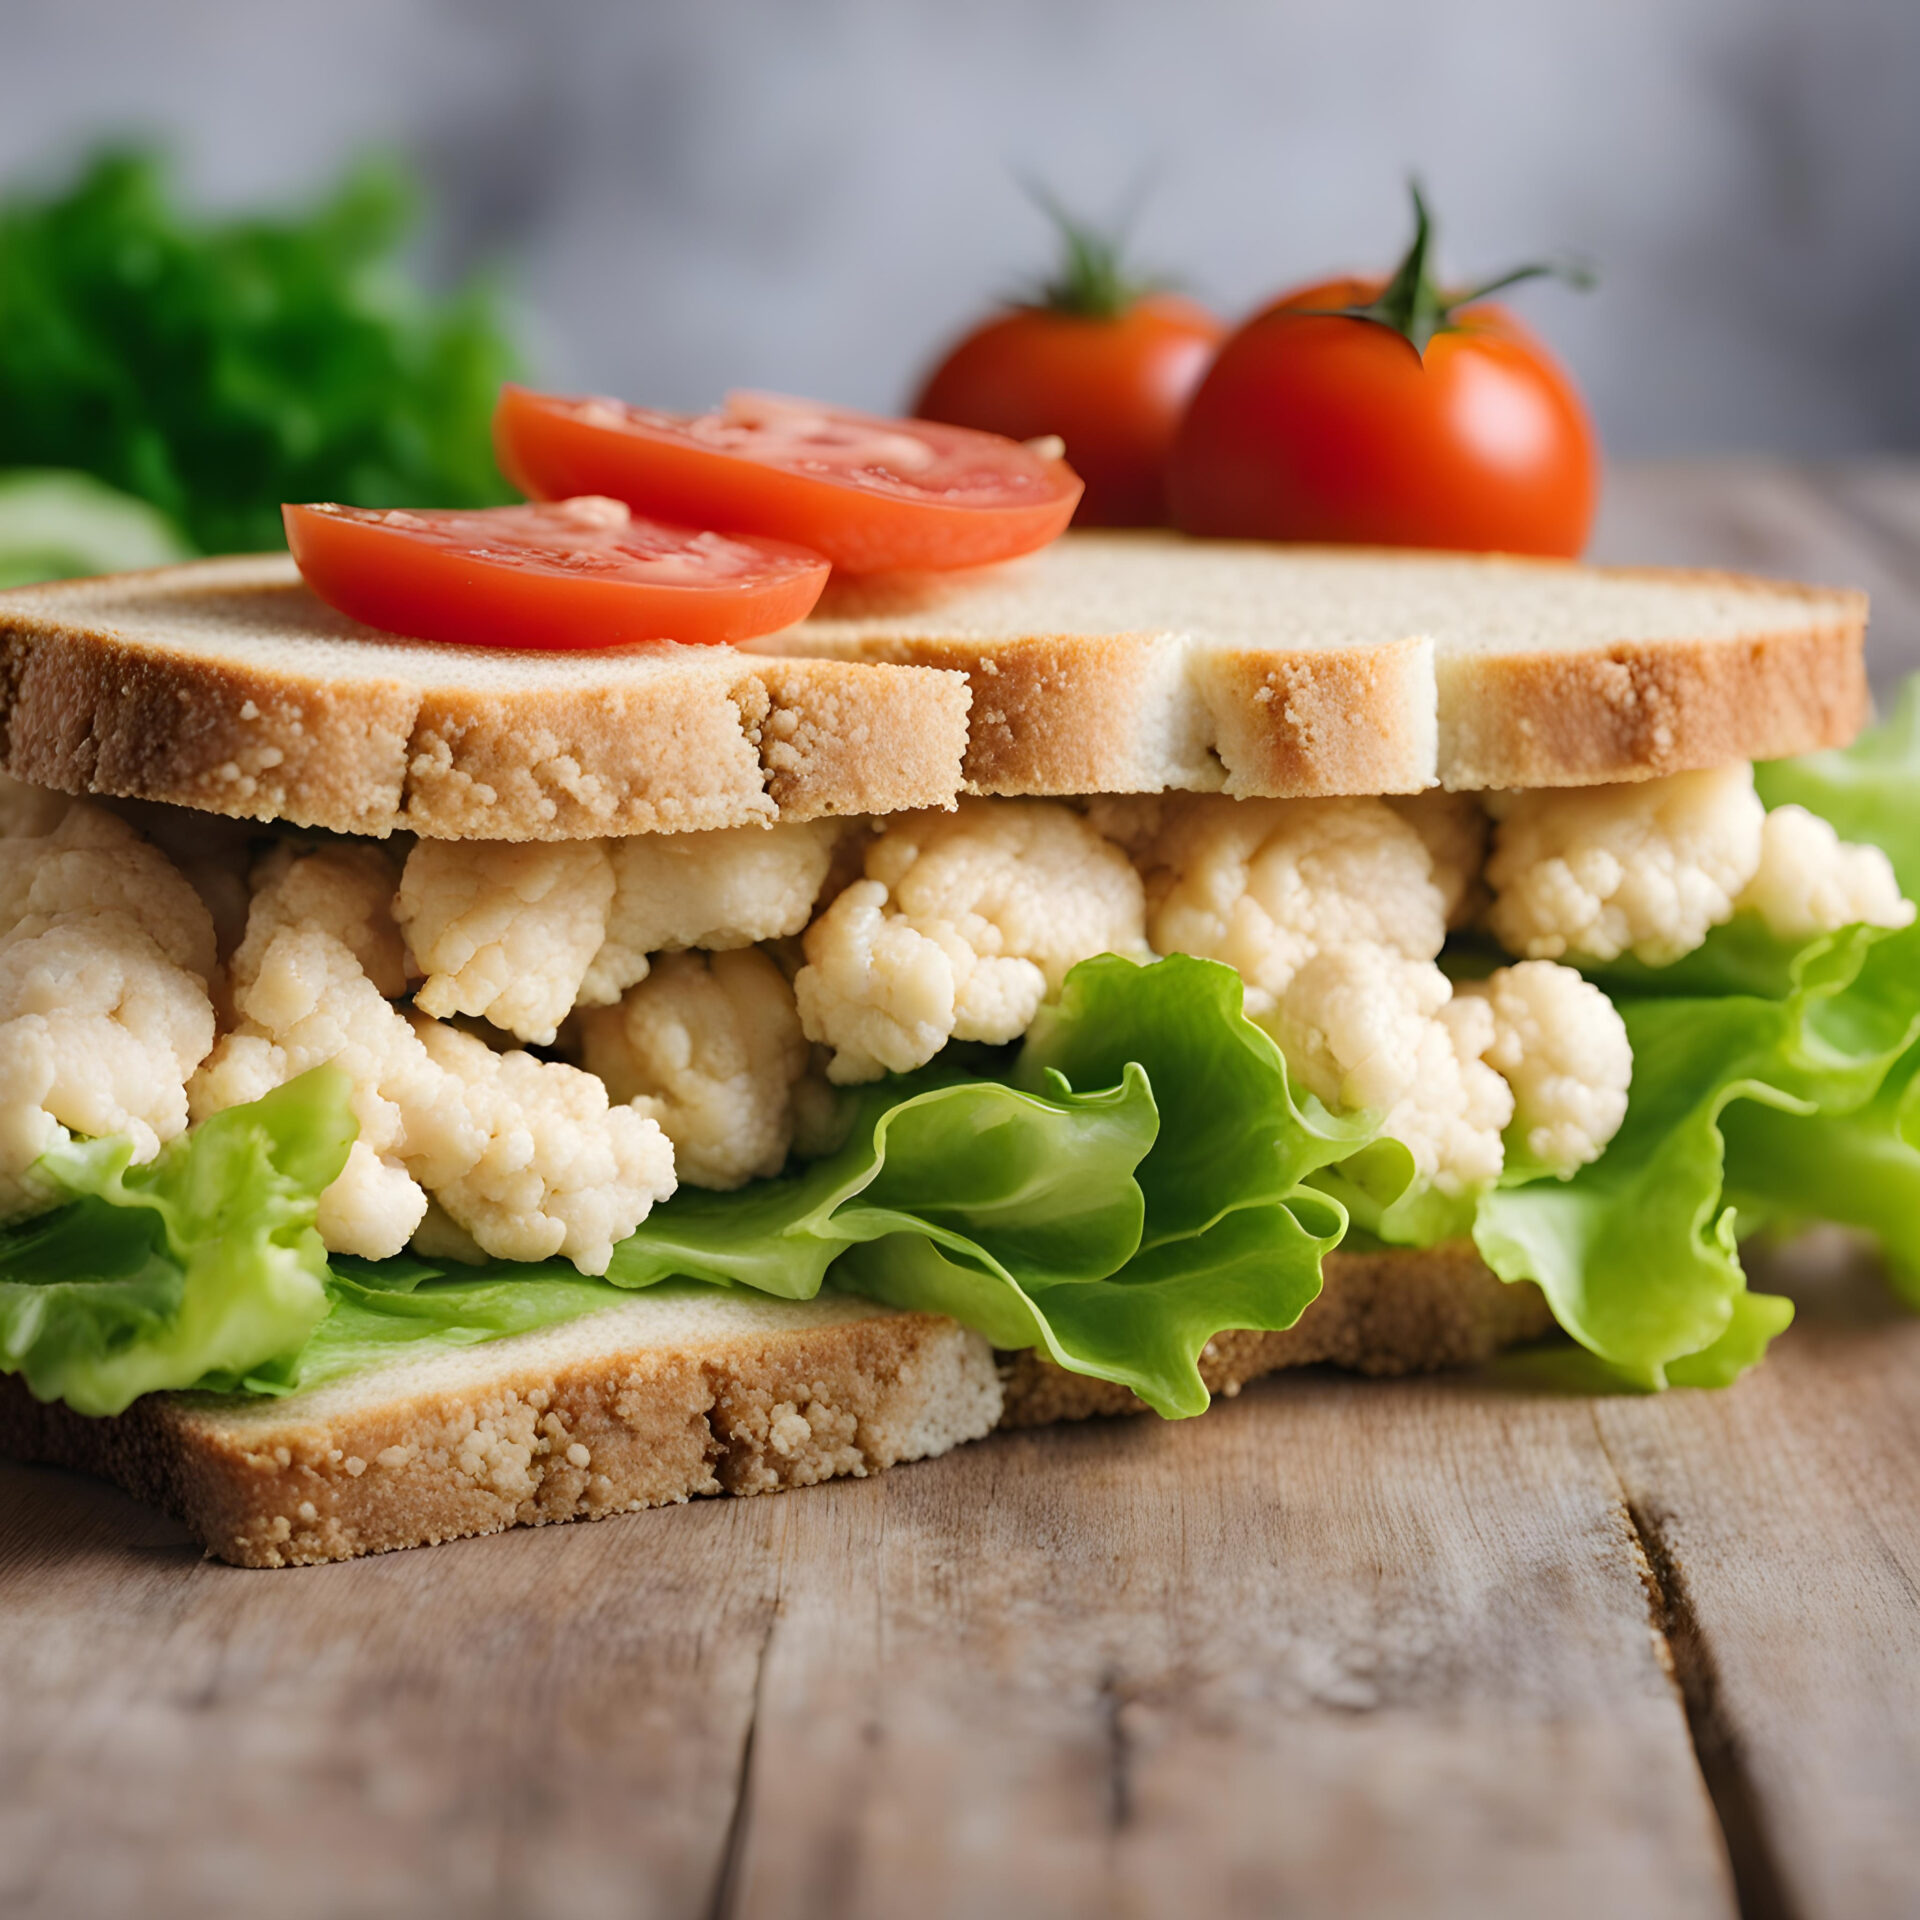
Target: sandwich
<point>445,1089</point>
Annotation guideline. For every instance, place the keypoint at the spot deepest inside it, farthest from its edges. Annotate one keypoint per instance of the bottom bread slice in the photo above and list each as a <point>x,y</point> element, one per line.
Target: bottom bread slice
<point>1391,1311</point>
<point>674,1393</point>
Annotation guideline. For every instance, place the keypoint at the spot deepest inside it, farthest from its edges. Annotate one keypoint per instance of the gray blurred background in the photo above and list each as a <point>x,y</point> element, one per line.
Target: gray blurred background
<point>814,194</point>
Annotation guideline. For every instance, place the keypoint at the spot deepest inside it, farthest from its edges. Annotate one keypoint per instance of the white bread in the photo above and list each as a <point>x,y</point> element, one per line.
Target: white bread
<point>225,685</point>
<point>673,1393</point>
<point>1131,663</point>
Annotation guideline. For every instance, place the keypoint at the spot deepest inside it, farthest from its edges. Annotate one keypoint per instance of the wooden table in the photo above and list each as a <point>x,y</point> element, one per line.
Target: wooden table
<point>1470,1644</point>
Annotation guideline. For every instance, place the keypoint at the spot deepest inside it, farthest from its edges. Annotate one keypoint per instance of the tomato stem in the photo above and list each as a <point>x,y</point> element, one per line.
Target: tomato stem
<point>1092,280</point>
<point>1416,308</point>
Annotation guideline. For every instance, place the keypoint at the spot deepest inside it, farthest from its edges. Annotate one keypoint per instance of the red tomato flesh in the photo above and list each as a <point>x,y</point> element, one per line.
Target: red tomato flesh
<point>1315,427</point>
<point>574,574</point>
<point>871,495</point>
<point>1114,388</point>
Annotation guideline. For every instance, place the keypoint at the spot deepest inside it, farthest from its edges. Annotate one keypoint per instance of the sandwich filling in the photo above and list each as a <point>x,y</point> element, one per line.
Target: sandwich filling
<point>1104,1077</point>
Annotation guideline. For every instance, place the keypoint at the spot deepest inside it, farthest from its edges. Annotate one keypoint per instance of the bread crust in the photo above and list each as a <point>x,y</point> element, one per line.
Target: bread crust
<point>1383,1313</point>
<point>1634,712</point>
<point>540,1431</point>
<point>1062,714</point>
<point>1058,712</point>
<point>224,685</point>
<point>570,1425</point>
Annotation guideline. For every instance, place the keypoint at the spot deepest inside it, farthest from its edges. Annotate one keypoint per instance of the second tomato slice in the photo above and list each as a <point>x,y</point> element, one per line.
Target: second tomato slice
<point>871,495</point>
<point>574,574</point>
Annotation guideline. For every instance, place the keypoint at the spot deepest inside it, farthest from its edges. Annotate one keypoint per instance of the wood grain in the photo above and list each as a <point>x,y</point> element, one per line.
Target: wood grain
<point>1784,1521</point>
<point>546,1732</point>
<point>1339,1647</point>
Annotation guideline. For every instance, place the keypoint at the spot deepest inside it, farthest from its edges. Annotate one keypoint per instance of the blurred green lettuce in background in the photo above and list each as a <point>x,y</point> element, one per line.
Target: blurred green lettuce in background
<point>214,368</point>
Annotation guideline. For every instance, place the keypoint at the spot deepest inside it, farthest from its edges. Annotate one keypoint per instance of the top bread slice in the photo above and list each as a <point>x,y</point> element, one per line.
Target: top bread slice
<point>225,685</point>
<point>1130,663</point>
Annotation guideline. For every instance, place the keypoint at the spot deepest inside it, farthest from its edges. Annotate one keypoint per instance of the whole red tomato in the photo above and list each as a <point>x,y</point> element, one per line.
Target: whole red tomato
<point>1100,360</point>
<point>1390,414</point>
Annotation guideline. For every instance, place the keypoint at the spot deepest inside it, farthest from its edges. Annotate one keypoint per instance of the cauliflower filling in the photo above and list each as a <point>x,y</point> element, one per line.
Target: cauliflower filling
<point>715,988</point>
<point>961,927</point>
<point>708,1045</point>
<point>106,959</point>
<point>1649,868</point>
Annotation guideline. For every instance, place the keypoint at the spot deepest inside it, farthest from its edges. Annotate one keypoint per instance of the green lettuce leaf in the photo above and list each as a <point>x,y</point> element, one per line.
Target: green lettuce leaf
<point>1869,791</point>
<point>1741,956</point>
<point>383,1310</point>
<point>1637,1253</point>
<point>1039,1183</point>
<point>1858,1169</point>
<point>215,368</point>
<point>193,1270</point>
<point>1131,1189</point>
<point>1231,1238</point>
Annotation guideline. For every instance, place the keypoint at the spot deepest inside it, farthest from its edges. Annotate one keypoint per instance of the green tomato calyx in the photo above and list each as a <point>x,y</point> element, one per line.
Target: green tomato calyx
<point>1416,307</point>
<point>1092,280</point>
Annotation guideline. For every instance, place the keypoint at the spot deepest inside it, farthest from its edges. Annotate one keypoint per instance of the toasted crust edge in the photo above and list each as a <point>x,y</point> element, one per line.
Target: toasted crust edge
<point>86,711</point>
<point>85,708</point>
<point>1635,711</point>
<point>1050,712</point>
<point>642,1426</point>
<point>757,1412</point>
<point>1069,714</point>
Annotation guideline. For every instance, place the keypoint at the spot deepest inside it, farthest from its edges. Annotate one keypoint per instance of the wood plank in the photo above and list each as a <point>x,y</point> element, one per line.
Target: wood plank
<point>1339,1645</point>
<point>1775,517</point>
<point>1784,1525</point>
<point>1338,1648</point>
<point>547,1722</point>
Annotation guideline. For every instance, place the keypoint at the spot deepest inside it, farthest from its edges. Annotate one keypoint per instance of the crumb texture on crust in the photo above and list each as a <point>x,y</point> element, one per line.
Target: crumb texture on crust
<point>1385,1313</point>
<point>1134,662</point>
<point>651,1402</point>
<point>224,685</point>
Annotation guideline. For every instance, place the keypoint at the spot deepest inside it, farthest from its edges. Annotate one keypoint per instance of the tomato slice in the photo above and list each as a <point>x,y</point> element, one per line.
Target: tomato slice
<point>873,495</point>
<point>572,574</point>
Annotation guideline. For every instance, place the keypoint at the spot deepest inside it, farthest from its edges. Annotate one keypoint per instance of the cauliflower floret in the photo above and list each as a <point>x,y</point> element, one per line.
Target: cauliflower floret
<point>503,930</point>
<point>559,1170</point>
<point>1648,868</point>
<point>29,813</point>
<point>1453,828</point>
<point>212,853</point>
<point>711,1047</point>
<point>1560,1044</point>
<point>1369,1028</point>
<point>372,1208</point>
<point>963,925</point>
<point>524,1156</point>
<point>99,1031</point>
<point>307,1000</point>
<point>720,890</point>
<point>880,991</point>
<point>92,862</point>
<point>1266,884</point>
<point>104,1008</point>
<point>1811,881</point>
<point>520,935</point>
<point>347,889</point>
